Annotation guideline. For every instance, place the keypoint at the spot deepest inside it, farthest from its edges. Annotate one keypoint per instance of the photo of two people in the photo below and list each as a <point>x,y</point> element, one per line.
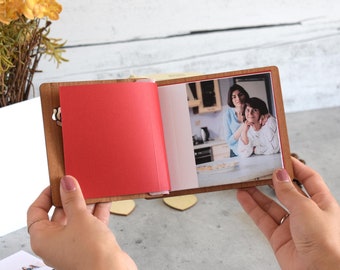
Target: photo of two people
<point>244,142</point>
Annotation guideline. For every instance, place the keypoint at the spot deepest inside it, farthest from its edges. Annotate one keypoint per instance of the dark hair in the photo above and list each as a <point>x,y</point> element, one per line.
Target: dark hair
<point>233,88</point>
<point>257,103</point>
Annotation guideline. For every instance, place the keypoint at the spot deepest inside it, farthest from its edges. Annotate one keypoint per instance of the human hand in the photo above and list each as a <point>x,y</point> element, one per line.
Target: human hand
<point>264,119</point>
<point>248,124</point>
<point>77,236</point>
<point>244,132</point>
<point>309,238</point>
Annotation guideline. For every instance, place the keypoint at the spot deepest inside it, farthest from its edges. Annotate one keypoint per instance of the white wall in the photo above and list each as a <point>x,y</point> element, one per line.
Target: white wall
<point>114,39</point>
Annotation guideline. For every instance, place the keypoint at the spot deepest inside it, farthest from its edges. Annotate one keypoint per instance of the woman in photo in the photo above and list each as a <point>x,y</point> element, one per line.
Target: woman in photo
<point>255,137</point>
<point>237,96</point>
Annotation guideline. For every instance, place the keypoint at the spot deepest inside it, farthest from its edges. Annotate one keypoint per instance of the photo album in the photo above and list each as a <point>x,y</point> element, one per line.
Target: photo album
<point>155,138</point>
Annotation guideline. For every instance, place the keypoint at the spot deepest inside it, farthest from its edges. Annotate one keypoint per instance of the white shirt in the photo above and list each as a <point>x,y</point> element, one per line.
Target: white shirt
<point>262,142</point>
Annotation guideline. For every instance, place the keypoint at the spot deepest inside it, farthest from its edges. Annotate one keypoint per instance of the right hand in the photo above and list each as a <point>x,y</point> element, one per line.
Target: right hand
<point>244,131</point>
<point>310,237</point>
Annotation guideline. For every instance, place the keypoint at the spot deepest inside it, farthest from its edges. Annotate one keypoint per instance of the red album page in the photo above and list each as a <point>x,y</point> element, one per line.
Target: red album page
<point>113,138</point>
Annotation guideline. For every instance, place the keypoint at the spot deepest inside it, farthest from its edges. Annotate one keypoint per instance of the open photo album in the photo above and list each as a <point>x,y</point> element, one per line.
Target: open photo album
<point>145,138</point>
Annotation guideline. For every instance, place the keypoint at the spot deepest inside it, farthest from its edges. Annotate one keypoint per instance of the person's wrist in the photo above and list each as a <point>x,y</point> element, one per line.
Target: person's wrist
<point>330,260</point>
<point>108,255</point>
<point>115,260</point>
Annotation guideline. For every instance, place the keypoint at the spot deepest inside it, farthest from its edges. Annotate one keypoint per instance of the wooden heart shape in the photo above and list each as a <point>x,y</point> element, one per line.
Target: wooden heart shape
<point>122,208</point>
<point>181,202</point>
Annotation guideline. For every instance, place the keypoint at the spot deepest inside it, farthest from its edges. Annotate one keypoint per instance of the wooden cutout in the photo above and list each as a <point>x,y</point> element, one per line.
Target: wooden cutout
<point>122,208</point>
<point>181,202</point>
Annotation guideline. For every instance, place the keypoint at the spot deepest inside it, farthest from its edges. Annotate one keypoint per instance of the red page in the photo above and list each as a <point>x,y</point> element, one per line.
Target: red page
<point>113,138</point>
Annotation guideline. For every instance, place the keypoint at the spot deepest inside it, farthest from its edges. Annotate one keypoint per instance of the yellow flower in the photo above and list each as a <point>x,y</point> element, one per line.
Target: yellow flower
<point>10,10</point>
<point>41,8</point>
<point>54,9</point>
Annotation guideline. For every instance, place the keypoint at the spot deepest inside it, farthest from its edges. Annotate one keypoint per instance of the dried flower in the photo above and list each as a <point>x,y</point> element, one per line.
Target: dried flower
<point>24,30</point>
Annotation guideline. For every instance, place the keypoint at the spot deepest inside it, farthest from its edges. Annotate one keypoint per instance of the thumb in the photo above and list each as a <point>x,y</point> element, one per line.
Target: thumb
<point>285,190</point>
<point>71,196</point>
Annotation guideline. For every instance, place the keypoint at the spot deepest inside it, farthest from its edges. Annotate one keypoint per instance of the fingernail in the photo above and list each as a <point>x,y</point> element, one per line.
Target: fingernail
<point>67,183</point>
<point>282,175</point>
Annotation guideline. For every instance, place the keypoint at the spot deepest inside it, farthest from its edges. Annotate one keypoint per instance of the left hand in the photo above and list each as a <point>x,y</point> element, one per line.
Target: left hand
<point>264,119</point>
<point>77,236</point>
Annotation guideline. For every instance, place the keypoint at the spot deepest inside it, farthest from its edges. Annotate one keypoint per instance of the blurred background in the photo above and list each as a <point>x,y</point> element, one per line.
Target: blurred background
<point>116,39</point>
